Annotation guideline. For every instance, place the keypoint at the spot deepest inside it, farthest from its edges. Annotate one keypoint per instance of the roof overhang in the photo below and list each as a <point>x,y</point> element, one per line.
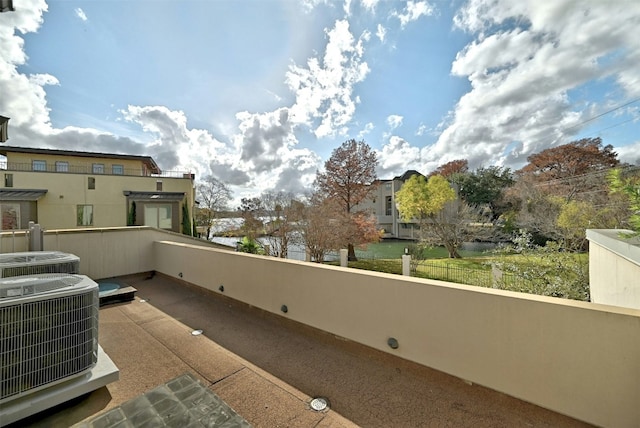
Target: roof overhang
<point>146,160</point>
<point>154,196</point>
<point>21,194</point>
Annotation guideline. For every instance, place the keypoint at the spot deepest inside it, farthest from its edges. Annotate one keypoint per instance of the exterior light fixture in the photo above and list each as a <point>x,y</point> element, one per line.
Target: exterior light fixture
<point>221,288</point>
<point>180,274</point>
<point>319,404</point>
<point>393,343</point>
<point>284,308</point>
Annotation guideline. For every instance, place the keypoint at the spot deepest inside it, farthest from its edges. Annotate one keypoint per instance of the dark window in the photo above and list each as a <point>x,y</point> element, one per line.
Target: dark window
<point>8,180</point>
<point>387,206</point>
<point>117,169</point>
<point>92,183</point>
<point>158,186</point>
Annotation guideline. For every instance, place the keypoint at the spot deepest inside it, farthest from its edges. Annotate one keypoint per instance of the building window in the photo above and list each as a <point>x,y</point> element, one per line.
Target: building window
<point>387,206</point>
<point>85,215</point>
<point>158,186</point>
<point>158,216</point>
<point>91,183</point>
<point>8,180</point>
<point>10,214</point>
<point>62,166</point>
<point>387,186</point>
<point>97,168</point>
<point>117,169</point>
<point>39,165</point>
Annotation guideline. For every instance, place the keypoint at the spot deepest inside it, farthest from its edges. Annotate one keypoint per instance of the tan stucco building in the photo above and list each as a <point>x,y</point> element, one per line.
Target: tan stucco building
<point>382,204</point>
<point>62,189</point>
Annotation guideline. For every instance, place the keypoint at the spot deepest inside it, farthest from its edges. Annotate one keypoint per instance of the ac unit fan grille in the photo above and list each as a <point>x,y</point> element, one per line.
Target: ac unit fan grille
<point>45,341</point>
<point>60,267</point>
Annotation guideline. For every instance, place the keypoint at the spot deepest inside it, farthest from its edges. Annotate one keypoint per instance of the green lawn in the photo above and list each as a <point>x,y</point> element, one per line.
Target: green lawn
<point>395,250</point>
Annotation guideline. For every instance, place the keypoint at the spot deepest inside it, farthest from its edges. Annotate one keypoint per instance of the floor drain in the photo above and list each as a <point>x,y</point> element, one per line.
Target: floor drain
<point>319,404</point>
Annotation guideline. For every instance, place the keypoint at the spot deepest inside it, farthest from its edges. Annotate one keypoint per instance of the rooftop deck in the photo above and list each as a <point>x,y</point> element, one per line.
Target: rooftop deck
<point>268,369</point>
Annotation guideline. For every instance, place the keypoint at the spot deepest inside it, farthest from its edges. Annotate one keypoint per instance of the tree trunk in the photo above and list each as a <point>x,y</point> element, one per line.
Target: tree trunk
<point>351,255</point>
<point>453,251</point>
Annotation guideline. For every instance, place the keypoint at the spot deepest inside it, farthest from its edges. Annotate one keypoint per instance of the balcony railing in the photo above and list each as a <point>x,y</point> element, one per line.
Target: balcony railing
<point>89,169</point>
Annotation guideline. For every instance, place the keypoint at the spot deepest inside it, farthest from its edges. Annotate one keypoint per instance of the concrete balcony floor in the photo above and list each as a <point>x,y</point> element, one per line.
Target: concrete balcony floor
<point>268,368</point>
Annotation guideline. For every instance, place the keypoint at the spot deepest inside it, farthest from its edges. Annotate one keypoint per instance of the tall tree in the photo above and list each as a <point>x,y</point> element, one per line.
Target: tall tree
<point>426,200</point>
<point>251,211</point>
<point>627,184</point>
<point>281,213</point>
<point>571,169</point>
<point>213,196</point>
<point>348,179</point>
<point>318,227</point>
<point>486,186</point>
<point>449,169</point>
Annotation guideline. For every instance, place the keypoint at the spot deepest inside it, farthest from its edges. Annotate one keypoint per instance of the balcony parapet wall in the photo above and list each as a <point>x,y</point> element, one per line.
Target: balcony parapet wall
<point>614,267</point>
<point>576,358</point>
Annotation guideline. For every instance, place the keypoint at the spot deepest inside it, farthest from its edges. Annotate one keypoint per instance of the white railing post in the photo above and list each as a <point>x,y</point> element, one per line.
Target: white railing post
<point>344,257</point>
<point>406,265</point>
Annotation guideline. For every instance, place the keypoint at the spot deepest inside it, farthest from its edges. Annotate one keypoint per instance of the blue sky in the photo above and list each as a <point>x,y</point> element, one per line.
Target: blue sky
<point>258,93</point>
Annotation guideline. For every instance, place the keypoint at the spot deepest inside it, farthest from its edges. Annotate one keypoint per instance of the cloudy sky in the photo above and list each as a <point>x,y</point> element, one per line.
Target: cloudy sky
<point>258,93</point>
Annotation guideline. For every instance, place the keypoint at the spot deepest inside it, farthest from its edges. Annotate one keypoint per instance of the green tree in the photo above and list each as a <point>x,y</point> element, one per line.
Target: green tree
<point>573,171</point>
<point>627,183</point>
<point>485,187</point>
<point>420,199</point>
<point>431,202</point>
<point>186,221</point>
<point>131,218</point>
<point>249,245</point>
<point>348,179</point>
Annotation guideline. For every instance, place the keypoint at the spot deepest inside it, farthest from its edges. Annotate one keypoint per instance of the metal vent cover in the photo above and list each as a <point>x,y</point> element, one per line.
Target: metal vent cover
<point>33,285</point>
<point>36,262</point>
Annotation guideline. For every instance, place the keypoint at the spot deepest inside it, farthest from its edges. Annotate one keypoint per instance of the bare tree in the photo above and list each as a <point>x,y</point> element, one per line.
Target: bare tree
<point>318,227</point>
<point>213,196</point>
<point>281,213</point>
<point>348,179</point>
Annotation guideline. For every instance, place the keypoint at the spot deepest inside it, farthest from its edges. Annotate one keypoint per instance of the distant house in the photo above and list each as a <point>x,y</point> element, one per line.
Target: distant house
<point>383,206</point>
<point>62,189</point>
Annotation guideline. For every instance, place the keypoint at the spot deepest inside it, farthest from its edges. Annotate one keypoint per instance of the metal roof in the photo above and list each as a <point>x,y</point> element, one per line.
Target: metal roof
<point>147,160</point>
<point>21,194</point>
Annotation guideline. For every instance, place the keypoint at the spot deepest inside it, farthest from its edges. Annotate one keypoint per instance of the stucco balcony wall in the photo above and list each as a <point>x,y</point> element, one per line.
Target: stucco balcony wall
<point>576,358</point>
<point>614,267</point>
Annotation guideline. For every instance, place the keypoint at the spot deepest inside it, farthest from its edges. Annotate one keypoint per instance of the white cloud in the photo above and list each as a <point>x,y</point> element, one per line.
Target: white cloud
<point>370,5</point>
<point>394,121</point>
<point>396,157</point>
<point>521,75</point>
<point>381,32</point>
<point>413,11</point>
<point>324,90</point>
<point>366,130</point>
<point>80,14</point>
<point>630,153</point>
